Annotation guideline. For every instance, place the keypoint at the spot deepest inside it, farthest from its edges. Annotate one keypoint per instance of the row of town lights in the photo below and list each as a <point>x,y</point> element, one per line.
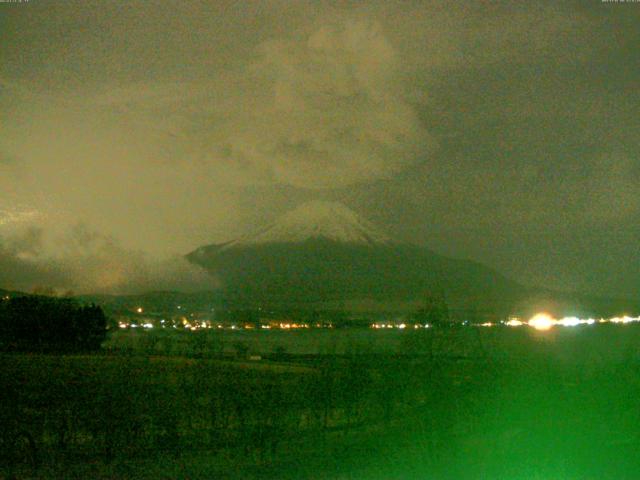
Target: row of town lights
<point>540,321</point>
<point>544,321</point>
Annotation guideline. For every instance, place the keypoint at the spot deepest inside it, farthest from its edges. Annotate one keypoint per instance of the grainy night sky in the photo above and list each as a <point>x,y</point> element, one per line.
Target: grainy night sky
<point>132,132</point>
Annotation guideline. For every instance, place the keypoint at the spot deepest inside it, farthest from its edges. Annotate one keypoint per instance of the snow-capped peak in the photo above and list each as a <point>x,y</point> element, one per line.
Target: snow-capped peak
<point>317,219</point>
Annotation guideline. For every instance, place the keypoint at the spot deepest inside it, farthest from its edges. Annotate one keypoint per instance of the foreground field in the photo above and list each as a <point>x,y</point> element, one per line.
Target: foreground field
<point>547,407</point>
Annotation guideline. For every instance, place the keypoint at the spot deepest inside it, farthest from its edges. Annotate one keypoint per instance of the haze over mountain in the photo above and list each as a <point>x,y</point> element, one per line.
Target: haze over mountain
<point>324,255</point>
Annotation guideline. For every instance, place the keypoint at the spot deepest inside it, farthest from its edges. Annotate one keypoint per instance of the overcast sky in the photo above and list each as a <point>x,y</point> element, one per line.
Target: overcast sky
<point>506,132</point>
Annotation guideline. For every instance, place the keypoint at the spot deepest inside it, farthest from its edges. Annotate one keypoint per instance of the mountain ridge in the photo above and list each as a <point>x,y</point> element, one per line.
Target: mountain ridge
<point>323,252</point>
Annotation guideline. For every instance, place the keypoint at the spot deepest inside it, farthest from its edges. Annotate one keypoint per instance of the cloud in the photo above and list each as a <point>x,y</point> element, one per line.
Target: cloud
<point>609,193</point>
<point>334,103</point>
<point>335,113</point>
<point>321,110</point>
<point>89,262</point>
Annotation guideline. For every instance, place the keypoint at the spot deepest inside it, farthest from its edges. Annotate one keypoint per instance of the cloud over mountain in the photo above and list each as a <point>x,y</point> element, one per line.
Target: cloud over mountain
<point>88,262</point>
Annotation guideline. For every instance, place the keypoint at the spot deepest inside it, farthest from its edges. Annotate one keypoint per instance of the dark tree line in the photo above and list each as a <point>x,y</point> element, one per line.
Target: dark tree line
<point>41,323</point>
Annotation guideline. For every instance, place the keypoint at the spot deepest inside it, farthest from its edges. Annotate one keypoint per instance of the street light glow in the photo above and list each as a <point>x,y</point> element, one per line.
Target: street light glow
<point>542,321</point>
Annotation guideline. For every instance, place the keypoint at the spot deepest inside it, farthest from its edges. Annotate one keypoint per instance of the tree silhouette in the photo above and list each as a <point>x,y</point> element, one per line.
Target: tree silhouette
<point>41,323</point>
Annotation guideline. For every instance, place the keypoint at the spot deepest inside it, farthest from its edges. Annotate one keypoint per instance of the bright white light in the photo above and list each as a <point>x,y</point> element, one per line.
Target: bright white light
<point>570,322</point>
<point>625,319</point>
<point>486,324</point>
<point>542,321</point>
<point>514,323</point>
<point>139,309</point>
<point>148,325</point>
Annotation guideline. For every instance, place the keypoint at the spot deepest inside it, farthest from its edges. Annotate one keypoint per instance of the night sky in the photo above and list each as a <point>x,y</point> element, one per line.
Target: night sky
<point>133,132</point>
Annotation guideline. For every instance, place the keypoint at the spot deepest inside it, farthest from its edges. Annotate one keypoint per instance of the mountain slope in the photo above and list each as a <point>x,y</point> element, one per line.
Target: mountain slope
<point>325,271</point>
<point>325,254</point>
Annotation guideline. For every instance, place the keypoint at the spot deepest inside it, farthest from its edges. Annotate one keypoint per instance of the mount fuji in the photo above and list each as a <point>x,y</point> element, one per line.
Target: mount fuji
<point>323,255</point>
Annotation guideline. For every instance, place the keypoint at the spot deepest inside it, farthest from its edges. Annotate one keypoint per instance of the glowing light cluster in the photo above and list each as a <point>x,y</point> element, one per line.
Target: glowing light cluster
<point>544,321</point>
<point>569,322</point>
<point>289,326</point>
<point>514,322</point>
<point>400,326</point>
<point>625,319</point>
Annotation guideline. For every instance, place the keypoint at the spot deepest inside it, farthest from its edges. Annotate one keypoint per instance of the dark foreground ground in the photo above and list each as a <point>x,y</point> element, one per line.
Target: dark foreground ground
<point>550,407</point>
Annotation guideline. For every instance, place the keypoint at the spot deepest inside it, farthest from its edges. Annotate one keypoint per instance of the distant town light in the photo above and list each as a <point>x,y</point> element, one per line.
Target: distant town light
<point>542,321</point>
<point>570,322</point>
<point>624,319</point>
<point>139,310</point>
